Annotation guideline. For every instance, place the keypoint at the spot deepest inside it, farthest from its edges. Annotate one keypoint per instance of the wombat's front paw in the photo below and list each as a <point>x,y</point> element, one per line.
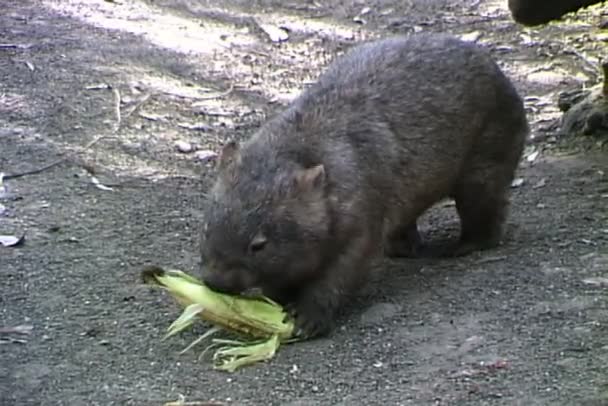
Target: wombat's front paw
<point>311,320</point>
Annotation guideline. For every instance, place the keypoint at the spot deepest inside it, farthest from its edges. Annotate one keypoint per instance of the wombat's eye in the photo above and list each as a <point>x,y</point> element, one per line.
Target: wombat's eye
<point>258,243</point>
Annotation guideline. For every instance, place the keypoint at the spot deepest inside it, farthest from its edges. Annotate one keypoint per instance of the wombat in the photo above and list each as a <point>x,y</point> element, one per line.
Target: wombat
<point>342,174</point>
<point>536,12</point>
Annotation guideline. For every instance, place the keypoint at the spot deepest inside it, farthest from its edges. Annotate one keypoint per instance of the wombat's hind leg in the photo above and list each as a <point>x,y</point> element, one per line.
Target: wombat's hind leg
<point>482,208</point>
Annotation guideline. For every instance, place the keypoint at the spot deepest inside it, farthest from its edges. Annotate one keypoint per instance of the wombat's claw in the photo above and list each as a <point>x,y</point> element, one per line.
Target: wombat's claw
<point>307,323</point>
<point>307,329</point>
<point>290,313</point>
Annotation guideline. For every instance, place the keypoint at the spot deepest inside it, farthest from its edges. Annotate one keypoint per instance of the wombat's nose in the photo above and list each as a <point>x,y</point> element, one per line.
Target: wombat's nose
<point>220,283</point>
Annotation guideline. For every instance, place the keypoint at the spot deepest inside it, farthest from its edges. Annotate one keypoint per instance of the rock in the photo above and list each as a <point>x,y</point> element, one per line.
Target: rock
<point>205,155</point>
<point>184,147</point>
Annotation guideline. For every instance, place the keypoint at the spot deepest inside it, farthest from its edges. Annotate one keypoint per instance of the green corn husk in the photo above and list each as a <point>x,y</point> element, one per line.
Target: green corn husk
<point>262,321</point>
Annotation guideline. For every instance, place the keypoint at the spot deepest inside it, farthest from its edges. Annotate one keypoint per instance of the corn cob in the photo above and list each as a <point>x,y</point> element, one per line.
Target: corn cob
<point>259,318</point>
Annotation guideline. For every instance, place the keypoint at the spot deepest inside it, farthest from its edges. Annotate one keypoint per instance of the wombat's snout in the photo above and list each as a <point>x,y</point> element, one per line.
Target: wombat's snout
<point>222,282</point>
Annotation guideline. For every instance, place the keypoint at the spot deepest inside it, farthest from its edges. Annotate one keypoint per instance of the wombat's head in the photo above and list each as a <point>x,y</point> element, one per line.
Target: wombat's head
<point>266,223</point>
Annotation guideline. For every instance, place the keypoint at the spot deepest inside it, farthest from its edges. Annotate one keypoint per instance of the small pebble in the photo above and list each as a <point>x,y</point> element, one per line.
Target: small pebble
<point>183,147</point>
<point>517,182</point>
<point>276,34</point>
<point>205,155</point>
<point>471,36</point>
<point>532,157</point>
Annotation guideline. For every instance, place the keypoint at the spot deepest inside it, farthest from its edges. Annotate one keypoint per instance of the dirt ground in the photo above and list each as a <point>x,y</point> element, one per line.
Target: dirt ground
<point>524,324</point>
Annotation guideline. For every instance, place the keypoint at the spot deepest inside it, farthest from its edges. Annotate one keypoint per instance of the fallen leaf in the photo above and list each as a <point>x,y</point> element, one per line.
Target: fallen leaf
<point>100,185</point>
<point>151,116</point>
<point>503,48</point>
<point>2,187</point>
<point>276,34</point>
<point>359,17</point>
<point>16,46</point>
<point>471,36</point>
<point>532,157</point>
<point>70,240</point>
<point>492,259</point>
<point>11,241</point>
<point>597,281</point>
<point>23,329</point>
<point>587,241</point>
<point>527,40</point>
<point>99,86</point>
<point>540,183</point>
<point>9,340</point>
<point>195,126</point>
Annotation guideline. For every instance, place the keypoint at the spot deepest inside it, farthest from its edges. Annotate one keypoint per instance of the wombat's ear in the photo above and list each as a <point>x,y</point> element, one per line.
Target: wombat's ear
<point>229,154</point>
<point>310,179</point>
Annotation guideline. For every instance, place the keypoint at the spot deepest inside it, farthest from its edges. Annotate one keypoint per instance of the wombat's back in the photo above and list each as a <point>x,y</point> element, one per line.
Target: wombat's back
<point>410,115</point>
<point>431,85</point>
